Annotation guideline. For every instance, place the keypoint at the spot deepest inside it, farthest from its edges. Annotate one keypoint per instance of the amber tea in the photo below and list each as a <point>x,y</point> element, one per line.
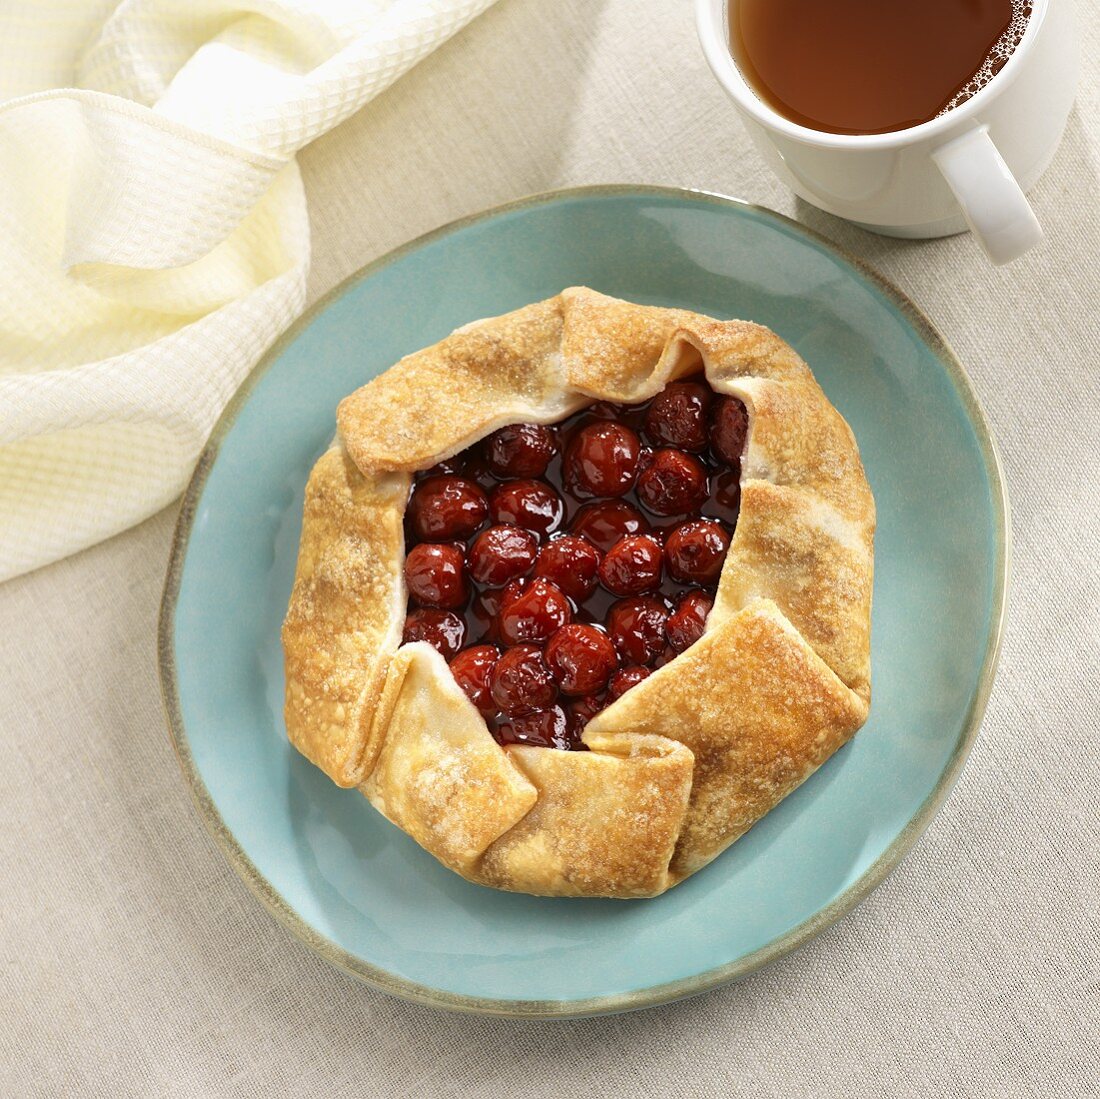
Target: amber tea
<point>872,66</point>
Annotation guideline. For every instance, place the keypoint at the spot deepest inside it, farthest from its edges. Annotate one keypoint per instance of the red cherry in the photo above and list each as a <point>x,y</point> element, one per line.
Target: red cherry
<point>678,416</point>
<point>726,496</point>
<point>484,608</point>
<point>533,613</point>
<point>675,484</point>
<point>521,681</point>
<point>443,630</point>
<point>572,564</point>
<point>532,505</point>
<point>446,508</point>
<point>435,575</point>
<point>695,551</point>
<point>688,621</point>
<point>604,524</point>
<point>473,669</point>
<point>669,654</point>
<point>476,469</point>
<point>540,729</point>
<point>581,711</point>
<point>602,460</point>
<point>632,565</point>
<point>501,553</point>
<point>624,679</point>
<point>637,627</point>
<point>512,590</point>
<point>520,450</point>
<point>729,429</point>
<point>581,658</point>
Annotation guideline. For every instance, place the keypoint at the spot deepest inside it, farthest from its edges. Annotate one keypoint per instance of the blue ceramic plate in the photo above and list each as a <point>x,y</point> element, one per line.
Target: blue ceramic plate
<point>357,889</point>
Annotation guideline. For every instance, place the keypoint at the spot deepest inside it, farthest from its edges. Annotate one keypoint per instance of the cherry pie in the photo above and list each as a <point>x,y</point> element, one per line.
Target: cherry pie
<point>583,591</point>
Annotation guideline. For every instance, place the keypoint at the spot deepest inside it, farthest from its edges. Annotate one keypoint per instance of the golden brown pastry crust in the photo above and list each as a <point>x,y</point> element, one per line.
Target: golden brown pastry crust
<point>760,711</point>
<point>344,619</point>
<point>688,760</point>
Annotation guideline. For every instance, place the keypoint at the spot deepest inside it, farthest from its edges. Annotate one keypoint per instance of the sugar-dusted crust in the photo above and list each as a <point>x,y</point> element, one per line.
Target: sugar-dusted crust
<point>688,760</point>
<point>760,711</point>
<point>438,401</point>
<point>440,775</point>
<point>346,612</point>
<point>605,822</point>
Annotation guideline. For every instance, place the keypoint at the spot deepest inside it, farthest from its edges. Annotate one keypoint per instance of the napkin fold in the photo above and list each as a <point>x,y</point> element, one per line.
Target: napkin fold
<point>154,235</point>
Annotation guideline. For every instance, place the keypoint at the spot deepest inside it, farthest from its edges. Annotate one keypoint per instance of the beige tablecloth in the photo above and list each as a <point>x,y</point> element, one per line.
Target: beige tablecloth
<point>134,961</point>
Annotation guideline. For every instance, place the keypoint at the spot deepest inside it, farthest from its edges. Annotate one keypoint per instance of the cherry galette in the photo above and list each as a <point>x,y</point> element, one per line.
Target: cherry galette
<point>640,535</point>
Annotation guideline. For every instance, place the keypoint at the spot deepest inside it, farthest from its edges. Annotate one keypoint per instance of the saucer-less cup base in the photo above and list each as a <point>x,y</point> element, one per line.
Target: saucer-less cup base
<point>902,184</point>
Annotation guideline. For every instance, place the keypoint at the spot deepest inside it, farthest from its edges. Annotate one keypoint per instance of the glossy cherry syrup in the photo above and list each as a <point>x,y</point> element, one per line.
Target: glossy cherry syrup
<point>555,566</point>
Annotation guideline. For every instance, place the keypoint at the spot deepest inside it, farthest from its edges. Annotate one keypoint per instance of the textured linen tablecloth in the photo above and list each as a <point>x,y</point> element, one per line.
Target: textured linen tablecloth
<point>136,963</point>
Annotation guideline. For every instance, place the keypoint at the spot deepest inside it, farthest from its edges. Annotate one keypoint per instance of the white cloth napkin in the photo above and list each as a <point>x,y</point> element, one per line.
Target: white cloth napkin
<point>154,236</point>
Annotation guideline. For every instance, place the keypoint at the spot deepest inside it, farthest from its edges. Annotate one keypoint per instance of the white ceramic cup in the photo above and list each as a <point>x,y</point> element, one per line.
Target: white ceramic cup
<point>967,168</point>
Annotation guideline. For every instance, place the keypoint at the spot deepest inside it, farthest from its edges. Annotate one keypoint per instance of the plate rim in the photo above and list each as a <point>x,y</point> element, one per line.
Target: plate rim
<point>665,992</point>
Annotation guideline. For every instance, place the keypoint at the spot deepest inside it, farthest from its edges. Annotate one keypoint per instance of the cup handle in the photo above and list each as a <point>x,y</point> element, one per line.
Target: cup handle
<point>992,202</point>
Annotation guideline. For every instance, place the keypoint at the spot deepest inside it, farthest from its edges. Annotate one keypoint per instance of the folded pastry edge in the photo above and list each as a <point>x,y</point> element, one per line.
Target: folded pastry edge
<point>666,344</point>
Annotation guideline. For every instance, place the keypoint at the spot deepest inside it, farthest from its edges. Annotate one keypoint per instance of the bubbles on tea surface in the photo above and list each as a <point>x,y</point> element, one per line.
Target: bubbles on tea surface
<point>997,57</point>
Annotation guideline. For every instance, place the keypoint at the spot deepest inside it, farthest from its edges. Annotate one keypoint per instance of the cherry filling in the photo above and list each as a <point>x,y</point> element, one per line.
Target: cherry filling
<point>555,568</point>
